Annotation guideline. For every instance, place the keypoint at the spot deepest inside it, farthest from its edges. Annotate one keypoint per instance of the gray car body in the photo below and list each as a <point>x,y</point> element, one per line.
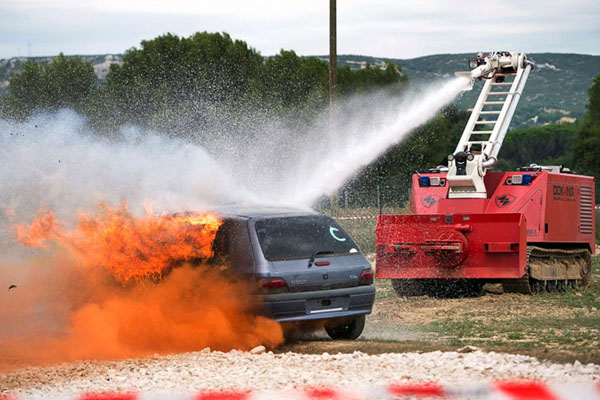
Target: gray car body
<point>316,292</point>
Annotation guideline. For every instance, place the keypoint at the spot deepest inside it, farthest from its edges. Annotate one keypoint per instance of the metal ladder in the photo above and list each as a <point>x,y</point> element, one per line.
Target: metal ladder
<point>494,100</point>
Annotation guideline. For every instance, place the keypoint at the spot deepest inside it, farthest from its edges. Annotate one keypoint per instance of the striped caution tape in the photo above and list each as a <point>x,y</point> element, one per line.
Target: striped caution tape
<point>497,391</point>
<point>355,217</point>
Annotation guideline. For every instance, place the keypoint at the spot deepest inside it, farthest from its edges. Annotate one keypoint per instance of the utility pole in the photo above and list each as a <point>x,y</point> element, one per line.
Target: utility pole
<point>332,82</point>
<point>332,52</point>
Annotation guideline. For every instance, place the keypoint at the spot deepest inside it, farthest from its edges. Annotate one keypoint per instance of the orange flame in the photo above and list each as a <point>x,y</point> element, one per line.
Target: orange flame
<point>129,248</point>
<point>86,315</point>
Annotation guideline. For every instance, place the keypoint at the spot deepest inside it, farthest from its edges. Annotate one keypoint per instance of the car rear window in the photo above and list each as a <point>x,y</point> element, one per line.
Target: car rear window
<point>287,238</point>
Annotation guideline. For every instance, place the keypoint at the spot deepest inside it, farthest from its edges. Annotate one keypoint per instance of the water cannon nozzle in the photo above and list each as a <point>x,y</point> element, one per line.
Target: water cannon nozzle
<point>468,76</point>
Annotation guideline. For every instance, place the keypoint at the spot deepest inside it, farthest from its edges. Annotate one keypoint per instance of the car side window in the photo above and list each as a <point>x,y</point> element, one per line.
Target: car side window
<point>232,249</point>
<point>220,247</point>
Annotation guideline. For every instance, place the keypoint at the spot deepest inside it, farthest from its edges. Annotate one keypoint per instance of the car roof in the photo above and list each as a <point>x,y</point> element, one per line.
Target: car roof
<point>253,211</point>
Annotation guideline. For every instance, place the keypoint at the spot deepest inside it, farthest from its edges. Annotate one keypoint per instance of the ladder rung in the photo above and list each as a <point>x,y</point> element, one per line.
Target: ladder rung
<point>500,93</point>
<point>502,84</point>
<point>485,103</point>
<point>489,112</point>
<point>485,122</point>
<point>481,132</point>
<point>477,142</point>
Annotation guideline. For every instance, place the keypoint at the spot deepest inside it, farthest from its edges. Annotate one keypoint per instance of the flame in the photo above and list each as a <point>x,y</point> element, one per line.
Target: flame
<point>117,286</point>
<point>130,248</point>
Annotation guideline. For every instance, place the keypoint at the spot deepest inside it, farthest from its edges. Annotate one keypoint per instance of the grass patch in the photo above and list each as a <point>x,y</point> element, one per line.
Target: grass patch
<point>551,323</point>
<point>515,336</point>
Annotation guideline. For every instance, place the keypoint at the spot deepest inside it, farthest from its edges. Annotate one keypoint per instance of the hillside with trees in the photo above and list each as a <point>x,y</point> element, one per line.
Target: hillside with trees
<point>556,89</point>
<point>170,78</point>
<point>555,92</point>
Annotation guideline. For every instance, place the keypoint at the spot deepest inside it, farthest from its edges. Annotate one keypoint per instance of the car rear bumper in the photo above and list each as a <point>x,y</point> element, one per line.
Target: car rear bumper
<point>319,304</point>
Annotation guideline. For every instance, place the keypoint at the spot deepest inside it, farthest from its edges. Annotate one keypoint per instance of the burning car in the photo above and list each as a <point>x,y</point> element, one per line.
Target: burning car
<point>306,266</point>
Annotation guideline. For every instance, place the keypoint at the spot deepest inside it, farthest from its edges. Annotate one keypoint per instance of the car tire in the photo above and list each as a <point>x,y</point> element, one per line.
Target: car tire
<point>349,330</point>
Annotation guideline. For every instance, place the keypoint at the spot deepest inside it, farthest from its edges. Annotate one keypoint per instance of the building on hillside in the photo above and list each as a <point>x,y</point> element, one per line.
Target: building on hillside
<point>566,120</point>
<point>363,64</point>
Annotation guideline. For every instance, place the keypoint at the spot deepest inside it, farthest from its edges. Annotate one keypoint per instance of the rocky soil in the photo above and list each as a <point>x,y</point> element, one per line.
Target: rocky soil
<point>203,370</point>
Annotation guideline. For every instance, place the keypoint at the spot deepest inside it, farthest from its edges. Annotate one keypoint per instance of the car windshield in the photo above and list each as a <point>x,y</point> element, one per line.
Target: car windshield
<point>301,237</point>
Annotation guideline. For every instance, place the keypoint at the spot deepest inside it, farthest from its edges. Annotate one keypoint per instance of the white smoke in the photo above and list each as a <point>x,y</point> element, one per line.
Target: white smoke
<point>56,161</point>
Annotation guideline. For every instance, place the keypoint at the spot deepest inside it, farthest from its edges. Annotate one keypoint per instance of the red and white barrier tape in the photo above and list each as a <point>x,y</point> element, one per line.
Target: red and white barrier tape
<point>499,390</point>
<point>356,217</point>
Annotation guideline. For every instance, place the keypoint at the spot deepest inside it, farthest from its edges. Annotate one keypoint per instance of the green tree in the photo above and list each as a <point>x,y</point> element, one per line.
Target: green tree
<point>288,80</point>
<point>65,83</point>
<point>301,83</point>
<point>174,82</point>
<point>545,145</point>
<point>371,78</point>
<point>168,71</point>
<point>587,148</point>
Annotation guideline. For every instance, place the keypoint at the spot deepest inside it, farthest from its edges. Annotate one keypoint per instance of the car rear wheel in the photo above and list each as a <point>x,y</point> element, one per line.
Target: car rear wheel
<point>348,330</point>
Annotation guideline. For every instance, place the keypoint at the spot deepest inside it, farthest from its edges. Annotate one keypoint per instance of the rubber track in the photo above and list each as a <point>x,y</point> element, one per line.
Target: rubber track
<point>523,284</point>
<point>520,285</point>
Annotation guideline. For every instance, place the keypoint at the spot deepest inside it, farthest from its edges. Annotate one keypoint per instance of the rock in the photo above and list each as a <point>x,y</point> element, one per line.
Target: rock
<point>258,350</point>
<point>468,349</point>
<point>193,372</point>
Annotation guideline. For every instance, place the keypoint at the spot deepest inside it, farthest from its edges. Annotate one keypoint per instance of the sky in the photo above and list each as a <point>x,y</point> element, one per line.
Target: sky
<point>392,28</point>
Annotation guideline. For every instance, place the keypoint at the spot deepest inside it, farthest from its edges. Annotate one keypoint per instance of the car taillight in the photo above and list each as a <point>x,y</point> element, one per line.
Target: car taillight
<point>272,283</point>
<point>366,277</point>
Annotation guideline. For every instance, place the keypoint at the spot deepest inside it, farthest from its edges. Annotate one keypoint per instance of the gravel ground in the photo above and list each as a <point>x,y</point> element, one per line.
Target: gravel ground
<point>191,372</point>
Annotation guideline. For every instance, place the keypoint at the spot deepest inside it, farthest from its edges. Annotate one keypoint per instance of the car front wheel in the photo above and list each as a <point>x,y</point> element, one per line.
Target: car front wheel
<point>348,330</point>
